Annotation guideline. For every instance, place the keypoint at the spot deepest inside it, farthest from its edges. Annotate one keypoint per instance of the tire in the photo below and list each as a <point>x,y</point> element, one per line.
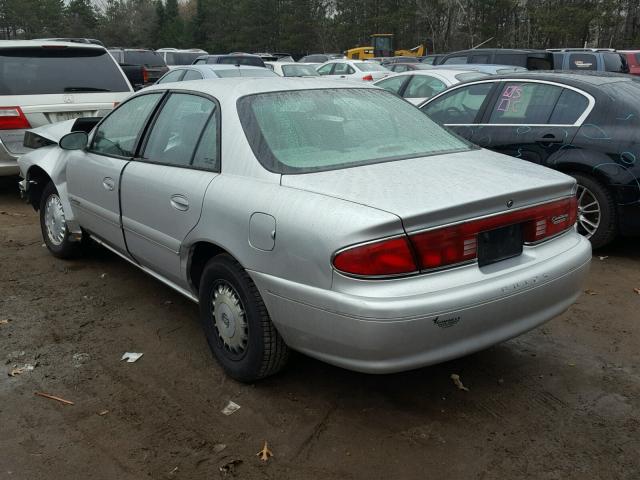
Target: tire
<point>54,228</point>
<point>241,336</point>
<point>591,190</point>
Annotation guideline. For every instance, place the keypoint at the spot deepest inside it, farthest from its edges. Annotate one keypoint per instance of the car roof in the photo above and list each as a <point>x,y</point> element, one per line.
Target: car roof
<point>230,89</point>
<point>41,43</point>
<point>571,77</point>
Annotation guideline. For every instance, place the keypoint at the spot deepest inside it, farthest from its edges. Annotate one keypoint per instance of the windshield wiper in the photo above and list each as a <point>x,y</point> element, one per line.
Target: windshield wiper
<point>85,89</point>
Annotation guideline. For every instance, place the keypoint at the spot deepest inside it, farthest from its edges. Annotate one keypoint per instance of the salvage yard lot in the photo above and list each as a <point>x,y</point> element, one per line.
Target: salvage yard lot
<point>560,402</point>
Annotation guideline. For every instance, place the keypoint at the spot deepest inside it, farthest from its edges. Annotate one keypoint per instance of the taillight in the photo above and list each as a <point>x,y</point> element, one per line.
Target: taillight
<point>145,75</point>
<point>452,245</point>
<point>12,118</point>
<point>368,78</point>
<point>384,258</point>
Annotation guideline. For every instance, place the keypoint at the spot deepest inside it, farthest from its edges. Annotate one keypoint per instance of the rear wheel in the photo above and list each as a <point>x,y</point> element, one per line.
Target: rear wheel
<point>54,225</point>
<point>236,322</point>
<point>596,211</point>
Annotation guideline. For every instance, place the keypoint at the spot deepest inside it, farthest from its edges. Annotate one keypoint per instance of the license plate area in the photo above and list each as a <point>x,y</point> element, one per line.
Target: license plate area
<point>499,244</point>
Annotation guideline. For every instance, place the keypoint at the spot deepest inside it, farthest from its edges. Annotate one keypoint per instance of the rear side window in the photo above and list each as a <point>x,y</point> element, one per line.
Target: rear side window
<point>535,63</point>
<point>479,59</point>
<point>582,61</point>
<point>172,76</point>
<point>423,86</point>
<point>39,71</point>
<point>326,69</point>
<point>177,129</point>
<point>571,105</point>
<point>118,133</point>
<point>343,69</point>
<point>518,60</point>
<point>455,61</point>
<point>192,75</point>
<point>637,56</point>
<point>525,104</point>
<point>207,154</point>
<point>181,58</point>
<point>460,106</point>
<point>143,57</point>
<point>613,62</point>
<point>393,84</point>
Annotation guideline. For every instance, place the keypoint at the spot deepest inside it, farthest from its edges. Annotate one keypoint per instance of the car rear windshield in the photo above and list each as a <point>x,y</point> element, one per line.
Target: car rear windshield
<point>239,60</point>
<point>143,57</point>
<point>245,72</point>
<point>370,67</point>
<point>299,71</point>
<point>39,71</point>
<point>327,129</point>
<point>181,58</point>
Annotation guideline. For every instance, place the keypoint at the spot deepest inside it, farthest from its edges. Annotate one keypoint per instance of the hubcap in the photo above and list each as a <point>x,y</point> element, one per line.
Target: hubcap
<point>54,220</point>
<point>588,212</point>
<point>230,318</point>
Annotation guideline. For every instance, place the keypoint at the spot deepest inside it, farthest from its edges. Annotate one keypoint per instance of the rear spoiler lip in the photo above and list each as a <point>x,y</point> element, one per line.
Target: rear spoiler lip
<point>51,134</point>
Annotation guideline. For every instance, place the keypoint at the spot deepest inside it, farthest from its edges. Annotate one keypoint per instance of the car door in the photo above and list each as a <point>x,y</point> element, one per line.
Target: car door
<point>163,189</point>
<point>460,108</point>
<point>531,120</point>
<point>93,175</point>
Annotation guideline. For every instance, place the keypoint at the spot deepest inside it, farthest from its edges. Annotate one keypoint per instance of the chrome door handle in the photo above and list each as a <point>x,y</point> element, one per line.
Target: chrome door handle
<point>108,183</point>
<point>180,202</point>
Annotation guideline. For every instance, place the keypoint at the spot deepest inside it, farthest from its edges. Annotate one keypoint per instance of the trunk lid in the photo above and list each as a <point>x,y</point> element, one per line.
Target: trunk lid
<point>441,189</point>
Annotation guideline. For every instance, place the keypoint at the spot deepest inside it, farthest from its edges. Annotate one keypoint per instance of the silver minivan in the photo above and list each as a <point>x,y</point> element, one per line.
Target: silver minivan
<point>44,82</point>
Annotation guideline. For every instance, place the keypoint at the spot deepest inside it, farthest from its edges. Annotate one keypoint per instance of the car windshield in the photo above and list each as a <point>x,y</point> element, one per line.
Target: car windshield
<point>39,71</point>
<point>181,58</point>
<point>299,71</point>
<point>143,57</point>
<point>327,129</point>
<point>245,72</point>
<point>369,67</point>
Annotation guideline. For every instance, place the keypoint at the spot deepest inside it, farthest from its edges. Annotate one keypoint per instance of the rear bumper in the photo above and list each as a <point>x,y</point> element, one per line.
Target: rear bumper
<point>384,335</point>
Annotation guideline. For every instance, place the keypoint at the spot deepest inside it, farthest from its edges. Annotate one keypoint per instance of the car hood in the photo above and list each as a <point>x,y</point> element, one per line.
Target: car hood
<point>435,190</point>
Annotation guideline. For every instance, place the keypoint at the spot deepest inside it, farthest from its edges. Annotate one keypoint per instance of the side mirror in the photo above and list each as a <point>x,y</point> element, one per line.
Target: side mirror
<point>74,141</point>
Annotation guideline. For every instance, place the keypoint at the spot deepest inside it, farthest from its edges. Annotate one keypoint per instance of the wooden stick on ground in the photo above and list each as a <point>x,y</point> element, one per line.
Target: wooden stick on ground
<point>53,397</point>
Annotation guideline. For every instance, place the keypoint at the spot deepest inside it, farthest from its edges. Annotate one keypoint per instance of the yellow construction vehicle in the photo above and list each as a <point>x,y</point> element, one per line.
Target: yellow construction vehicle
<point>382,46</point>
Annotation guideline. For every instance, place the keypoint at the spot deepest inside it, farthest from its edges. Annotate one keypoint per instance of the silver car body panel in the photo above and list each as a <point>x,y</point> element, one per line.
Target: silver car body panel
<point>284,229</point>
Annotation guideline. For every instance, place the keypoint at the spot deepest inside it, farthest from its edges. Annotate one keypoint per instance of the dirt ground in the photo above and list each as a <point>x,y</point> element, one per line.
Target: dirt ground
<point>561,402</point>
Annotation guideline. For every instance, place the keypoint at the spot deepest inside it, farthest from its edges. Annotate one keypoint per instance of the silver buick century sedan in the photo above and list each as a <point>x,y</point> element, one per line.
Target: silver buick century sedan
<point>335,220</point>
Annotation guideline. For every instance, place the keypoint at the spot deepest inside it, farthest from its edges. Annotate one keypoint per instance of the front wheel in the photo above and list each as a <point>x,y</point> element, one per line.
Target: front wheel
<point>596,211</point>
<point>236,322</point>
<point>54,225</point>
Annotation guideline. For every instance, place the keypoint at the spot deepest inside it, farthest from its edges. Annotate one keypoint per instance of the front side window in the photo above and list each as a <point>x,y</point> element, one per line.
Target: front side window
<point>571,105</point>
<point>582,61</point>
<point>525,103</point>
<point>517,59</point>
<point>176,131</point>
<point>393,84</point>
<point>370,67</point>
<point>342,69</point>
<point>461,106</point>
<point>118,133</point>
<point>480,59</point>
<point>172,76</point>
<point>327,129</point>
<point>424,86</point>
<point>326,69</point>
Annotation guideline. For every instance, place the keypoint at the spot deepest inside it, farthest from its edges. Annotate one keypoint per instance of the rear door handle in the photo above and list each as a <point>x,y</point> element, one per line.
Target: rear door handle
<point>180,202</point>
<point>108,183</point>
<point>549,138</point>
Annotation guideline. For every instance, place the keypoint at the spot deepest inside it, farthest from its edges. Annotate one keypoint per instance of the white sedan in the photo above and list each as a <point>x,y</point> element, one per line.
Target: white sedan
<point>353,70</point>
<point>416,86</point>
